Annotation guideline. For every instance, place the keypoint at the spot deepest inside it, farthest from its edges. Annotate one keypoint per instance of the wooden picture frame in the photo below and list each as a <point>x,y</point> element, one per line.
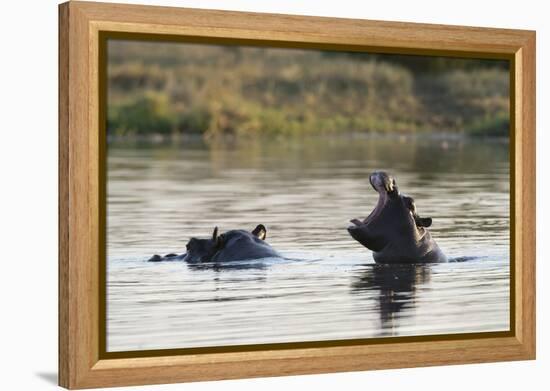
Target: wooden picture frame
<point>82,27</point>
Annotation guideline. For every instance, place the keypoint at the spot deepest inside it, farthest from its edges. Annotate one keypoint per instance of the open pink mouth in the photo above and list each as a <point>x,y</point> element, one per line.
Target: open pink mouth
<point>382,199</point>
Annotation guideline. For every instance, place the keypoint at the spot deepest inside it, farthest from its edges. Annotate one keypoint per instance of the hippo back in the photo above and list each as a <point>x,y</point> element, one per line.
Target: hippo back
<point>242,245</point>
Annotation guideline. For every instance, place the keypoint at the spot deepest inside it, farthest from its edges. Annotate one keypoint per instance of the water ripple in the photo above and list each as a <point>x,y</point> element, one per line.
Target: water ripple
<point>305,194</point>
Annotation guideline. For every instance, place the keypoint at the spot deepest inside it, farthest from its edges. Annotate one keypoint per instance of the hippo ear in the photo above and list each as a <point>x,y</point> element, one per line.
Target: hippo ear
<point>219,242</point>
<point>215,234</point>
<point>423,222</point>
<point>260,232</point>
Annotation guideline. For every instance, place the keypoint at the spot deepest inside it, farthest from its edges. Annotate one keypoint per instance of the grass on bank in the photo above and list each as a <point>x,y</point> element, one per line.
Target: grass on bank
<point>172,89</point>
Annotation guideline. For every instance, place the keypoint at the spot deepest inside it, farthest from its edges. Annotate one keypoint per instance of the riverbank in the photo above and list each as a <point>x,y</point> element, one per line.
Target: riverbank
<point>209,90</point>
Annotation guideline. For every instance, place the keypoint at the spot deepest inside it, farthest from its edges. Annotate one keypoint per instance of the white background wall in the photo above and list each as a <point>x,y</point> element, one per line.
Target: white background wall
<point>28,218</point>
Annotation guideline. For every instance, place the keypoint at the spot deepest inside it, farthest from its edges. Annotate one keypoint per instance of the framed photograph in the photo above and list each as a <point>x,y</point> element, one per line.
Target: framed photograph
<point>246,195</point>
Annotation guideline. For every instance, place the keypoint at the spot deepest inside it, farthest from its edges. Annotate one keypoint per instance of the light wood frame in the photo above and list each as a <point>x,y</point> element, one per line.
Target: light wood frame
<point>81,213</point>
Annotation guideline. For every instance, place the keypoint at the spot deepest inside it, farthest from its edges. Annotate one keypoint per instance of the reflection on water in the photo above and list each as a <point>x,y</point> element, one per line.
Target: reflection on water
<point>395,286</point>
<point>304,191</point>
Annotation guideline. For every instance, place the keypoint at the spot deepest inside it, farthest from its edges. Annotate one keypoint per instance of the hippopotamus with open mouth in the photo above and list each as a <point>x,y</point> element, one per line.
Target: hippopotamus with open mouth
<point>234,245</point>
<point>394,231</point>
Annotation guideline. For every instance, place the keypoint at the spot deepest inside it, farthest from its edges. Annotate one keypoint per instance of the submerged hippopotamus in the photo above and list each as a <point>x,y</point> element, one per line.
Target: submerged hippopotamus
<point>235,245</point>
<point>394,231</point>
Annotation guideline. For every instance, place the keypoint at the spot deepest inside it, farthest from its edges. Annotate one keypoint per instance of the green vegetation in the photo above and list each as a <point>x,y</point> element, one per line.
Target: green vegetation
<point>173,89</point>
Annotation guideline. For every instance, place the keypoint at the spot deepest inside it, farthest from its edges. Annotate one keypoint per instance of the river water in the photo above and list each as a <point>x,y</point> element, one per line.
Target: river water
<point>304,191</point>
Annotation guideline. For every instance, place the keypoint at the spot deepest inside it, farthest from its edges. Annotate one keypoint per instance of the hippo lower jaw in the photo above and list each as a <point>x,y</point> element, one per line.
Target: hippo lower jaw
<point>360,232</point>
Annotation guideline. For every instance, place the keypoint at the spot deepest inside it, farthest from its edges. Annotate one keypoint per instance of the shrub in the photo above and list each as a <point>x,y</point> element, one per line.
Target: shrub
<point>144,114</point>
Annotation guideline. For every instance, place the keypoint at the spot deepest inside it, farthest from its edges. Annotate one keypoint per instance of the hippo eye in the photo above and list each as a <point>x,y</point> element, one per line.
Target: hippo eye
<point>187,246</point>
<point>409,203</point>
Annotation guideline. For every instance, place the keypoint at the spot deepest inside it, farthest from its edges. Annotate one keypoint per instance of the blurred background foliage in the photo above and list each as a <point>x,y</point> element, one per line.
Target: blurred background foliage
<point>174,89</point>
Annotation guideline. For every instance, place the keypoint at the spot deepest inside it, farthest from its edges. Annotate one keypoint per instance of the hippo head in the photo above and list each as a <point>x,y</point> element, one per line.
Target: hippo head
<point>394,221</point>
<point>205,250</point>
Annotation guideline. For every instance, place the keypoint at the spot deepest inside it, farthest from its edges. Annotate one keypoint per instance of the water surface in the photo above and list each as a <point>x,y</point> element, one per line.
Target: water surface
<point>304,191</point>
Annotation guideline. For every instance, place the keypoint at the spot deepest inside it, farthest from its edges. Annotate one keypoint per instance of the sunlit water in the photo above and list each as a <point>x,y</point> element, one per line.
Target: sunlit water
<point>304,192</point>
